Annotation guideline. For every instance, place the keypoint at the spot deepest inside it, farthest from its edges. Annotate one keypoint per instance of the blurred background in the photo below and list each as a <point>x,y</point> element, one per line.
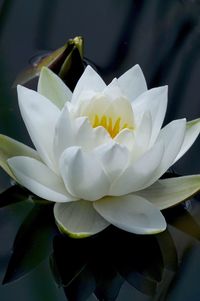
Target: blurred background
<point>163,37</point>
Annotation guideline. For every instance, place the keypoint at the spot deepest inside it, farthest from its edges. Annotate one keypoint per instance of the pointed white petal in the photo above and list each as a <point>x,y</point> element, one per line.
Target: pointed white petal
<point>39,179</point>
<point>83,174</point>
<point>143,133</point>
<point>64,133</point>
<point>83,134</point>
<point>90,80</point>
<point>11,148</point>
<point>133,83</point>
<point>192,132</point>
<point>78,219</point>
<point>131,213</point>
<point>114,158</point>
<point>169,192</point>
<point>113,90</point>
<point>127,138</point>
<point>53,88</point>
<point>40,117</point>
<point>172,135</point>
<point>137,175</point>
<point>155,102</point>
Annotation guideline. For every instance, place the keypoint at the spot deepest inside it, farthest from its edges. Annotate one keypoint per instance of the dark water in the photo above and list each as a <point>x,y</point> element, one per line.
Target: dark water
<point>164,38</point>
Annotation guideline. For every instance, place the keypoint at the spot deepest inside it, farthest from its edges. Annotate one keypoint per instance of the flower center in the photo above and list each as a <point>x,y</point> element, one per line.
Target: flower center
<point>113,126</point>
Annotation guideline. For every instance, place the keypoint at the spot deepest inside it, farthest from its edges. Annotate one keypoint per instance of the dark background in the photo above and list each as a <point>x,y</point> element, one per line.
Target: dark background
<point>162,36</point>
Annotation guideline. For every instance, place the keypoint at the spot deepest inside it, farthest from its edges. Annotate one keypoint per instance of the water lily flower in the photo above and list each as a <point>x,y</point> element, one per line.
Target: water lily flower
<point>100,152</point>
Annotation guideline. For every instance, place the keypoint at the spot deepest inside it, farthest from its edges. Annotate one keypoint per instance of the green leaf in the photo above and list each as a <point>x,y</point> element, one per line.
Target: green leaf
<point>11,148</point>
<point>32,243</point>
<point>54,61</point>
<point>72,68</point>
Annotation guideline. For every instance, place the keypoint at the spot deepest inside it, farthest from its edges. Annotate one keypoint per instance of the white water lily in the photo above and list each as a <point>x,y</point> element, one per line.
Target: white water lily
<point>100,152</point>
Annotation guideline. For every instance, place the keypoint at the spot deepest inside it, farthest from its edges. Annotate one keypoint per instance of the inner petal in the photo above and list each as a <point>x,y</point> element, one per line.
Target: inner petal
<point>112,114</point>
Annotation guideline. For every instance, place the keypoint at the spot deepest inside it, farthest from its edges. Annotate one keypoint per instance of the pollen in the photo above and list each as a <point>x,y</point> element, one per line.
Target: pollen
<point>113,126</point>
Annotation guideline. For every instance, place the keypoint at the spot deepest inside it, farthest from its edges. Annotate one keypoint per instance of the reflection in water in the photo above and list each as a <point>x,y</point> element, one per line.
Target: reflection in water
<point>153,265</point>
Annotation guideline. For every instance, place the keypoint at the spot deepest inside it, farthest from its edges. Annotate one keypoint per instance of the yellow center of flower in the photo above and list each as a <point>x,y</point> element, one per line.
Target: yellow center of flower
<point>114,114</point>
<point>113,126</point>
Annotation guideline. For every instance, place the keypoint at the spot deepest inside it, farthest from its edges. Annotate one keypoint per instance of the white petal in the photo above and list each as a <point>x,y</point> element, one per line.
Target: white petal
<point>127,138</point>
<point>155,102</point>
<point>90,80</point>
<point>114,158</point>
<point>11,148</point>
<point>39,179</point>
<point>83,134</point>
<point>168,192</point>
<point>83,174</point>
<point>131,213</point>
<point>64,133</point>
<point>79,219</point>
<point>53,88</point>
<point>137,175</point>
<point>133,83</point>
<point>88,137</point>
<point>192,132</point>
<point>101,136</point>
<point>113,90</point>
<point>143,133</point>
<point>40,117</point>
<point>172,135</point>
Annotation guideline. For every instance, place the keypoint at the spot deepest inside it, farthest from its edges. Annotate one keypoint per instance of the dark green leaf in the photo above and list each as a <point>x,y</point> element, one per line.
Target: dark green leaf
<point>82,286</point>
<point>180,218</point>
<point>13,194</point>
<point>140,262</point>
<point>69,258</point>
<point>168,250</point>
<point>64,60</point>
<point>109,286</point>
<point>72,68</point>
<point>32,243</point>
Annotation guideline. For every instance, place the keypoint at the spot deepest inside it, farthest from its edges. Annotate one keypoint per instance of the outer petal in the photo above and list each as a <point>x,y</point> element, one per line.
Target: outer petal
<point>114,158</point>
<point>64,133</point>
<point>131,213</point>
<point>143,135</point>
<point>53,88</point>
<point>10,148</point>
<point>133,83</point>
<point>90,80</point>
<point>40,117</point>
<point>83,174</point>
<point>39,179</point>
<point>139,173</point>
<point>168,192</point>
<point>172,135</point>
<point>79,219</point>
<point>192,131</point>
<point>155,102</point>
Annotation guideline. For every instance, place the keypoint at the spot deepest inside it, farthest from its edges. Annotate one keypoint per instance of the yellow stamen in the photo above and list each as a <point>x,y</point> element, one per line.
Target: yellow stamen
<point>113,127</point>
<point>104,121</point>
<point>116,127</point>
<point>96,121</point>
